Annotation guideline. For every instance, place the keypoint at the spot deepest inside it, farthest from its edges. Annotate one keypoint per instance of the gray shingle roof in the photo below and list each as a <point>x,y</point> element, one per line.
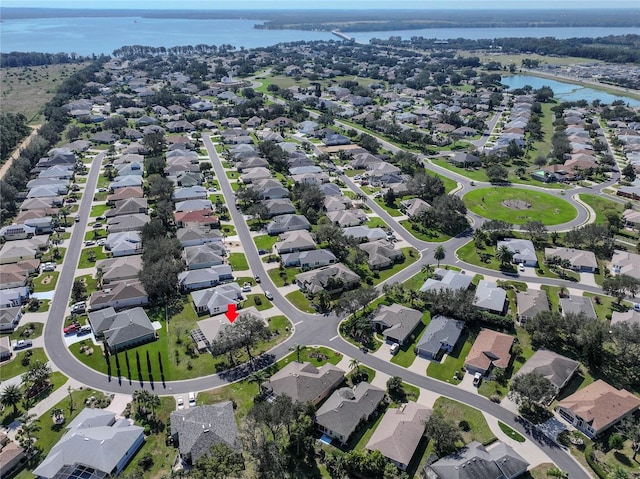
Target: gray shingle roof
<point>440,330</point>
<point>556,368</point>
<point>198,428</point>
<point>304,382</point>
<point>397,321</point>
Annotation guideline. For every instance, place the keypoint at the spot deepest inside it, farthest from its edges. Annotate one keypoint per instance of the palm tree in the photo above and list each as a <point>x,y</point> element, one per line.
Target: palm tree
<point>504,254</point>
<point>354,364</point>
<point>57,414</point>
<point>298,348</point>
<point>153,403</point>
<point>439,254</point>
<point>28,429</point>
<point>11,396</point>
<point>64,211</point>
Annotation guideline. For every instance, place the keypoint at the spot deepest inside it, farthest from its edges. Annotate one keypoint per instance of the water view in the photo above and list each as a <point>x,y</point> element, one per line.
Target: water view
<point>566,91</point>
<point>87,35</point>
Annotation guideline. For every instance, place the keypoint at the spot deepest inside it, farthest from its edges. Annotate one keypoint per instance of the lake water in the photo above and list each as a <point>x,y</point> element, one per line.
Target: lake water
<point>87,35</point>
<point>566,91</point>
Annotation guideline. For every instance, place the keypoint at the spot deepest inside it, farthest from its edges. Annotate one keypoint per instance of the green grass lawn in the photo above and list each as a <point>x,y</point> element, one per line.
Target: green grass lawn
<point>318,356</point>
<point>90,282</point>
<point>376,222</point>
<point>99,210</point>
<point>484,258</point>
<point>15,368</point>
<point>264,303</point>
<point>411,255</point>
<point>510,432</point>
<point>432,236</point>
<point>46,282</point>
<point>552,294</point>
<point>265,242</point>
<point>21,333</point>
<point>601,206</point>
<point>453,362</point>
<point>406,355</point>
<point>537,206</point>
<point>95,234</point>
<point>279,276</point>
<point>391,210</point>
<point>228,229</point>
<point>98,252</point>
<point>606,305</point>
<point>454,410</point>
<point>241,393</point>
<point>51,256</point>
<point>300,301</point>
<point>238,262</point>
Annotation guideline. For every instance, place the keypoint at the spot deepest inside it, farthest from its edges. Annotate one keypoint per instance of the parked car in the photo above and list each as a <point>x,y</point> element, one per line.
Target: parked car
<point>262,251</point>
<point>89,243</point>
<point>22,343</point>
<point>102,190</point>
<point>180,402</point>
<point>79,307</point>
<point>477,379</point>
<point>521,268</point>
<point>395,347</point>
<point>48,267</point>
<point>192,399</point>
<point>72,328</point>
<point>97,225</point>
<point>246,288</point>
<point>636,307</point>
<point>102,242</point>
<point>100,218</point>
<point>268,295</point>
<point>86,329</point>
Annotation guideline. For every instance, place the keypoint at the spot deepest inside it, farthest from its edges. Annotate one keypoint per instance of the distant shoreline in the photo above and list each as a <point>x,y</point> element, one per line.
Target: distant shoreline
<point>613,89</point>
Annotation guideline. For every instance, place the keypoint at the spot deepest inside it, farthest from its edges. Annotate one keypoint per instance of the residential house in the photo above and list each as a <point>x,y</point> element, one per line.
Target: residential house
<point>189,193</point>
<point>129,206</point>
<point>204,278</point>
<point>196,235</point>
<point>346,408</point>
<point>96,444</point>
<point>364,233</point>
<point>414,206</point>
<point>216,300</point>
<point>303,382</point>
<point>632,317</point>
<point>396,323</point>
<point>122,330</point>
<point>631,218</point>
<point>381,254</point>
<point>18,251</point>
<point>125,294</point>
<point>9,318</point>
<point>11,454</point>
<point>284,223</point>
<point>556,368</point>
<point>311,259</point>
<point>119,269</point>
<point>399,433</point>
<point>279,206</point>
<point>464,160</point>
<point>203,256</point>
<point>198,428</point>
<point>446,279</point>
<point>531,303</point>
<point>130,222</point>
<point>294,241</point>
<point>270,188</point>
<point>347,218</point>
<point>14,297</point>
<point>11,276</point>
<point>193,205</point>
<point>523,250</point>
<point>624,262</point>
<point>125,193</point>
<point>125,182</point>
<point>490,349</point>
<point>124,244</point>
<point>490,297</point>
<point>201,218</point>
<point>475,461</point>
<point>597,407</point>
<point>336,203</point>
<point>440,337</point>
<point>5,348</point>
<point>332,279</point>
<point>16,232</point>
<point>255,174</point>
<point>580,260</point>
<point>578,305</point>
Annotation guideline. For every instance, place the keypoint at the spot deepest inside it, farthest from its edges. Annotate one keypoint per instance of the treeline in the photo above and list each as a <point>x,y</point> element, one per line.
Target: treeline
<point>13,128</point>
<point>385,20</point>
<point>32,59</point>
<point>16,178</point>
<point>614,49</point>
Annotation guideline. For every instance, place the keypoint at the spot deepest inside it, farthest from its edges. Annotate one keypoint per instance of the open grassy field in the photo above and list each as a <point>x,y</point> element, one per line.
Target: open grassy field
<point>519,206</point>
<point>27,90</point>
<point>601,206</point>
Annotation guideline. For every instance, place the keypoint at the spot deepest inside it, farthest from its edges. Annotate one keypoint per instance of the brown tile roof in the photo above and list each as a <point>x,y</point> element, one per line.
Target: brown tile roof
<point>600,404</point>
<point>490,347</point>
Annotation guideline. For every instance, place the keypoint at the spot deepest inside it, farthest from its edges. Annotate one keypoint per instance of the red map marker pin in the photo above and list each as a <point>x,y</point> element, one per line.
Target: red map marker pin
<point>231,313</point>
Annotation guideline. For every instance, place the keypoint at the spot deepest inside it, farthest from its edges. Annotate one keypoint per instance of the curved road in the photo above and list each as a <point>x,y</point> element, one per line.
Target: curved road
<point>309,329</point>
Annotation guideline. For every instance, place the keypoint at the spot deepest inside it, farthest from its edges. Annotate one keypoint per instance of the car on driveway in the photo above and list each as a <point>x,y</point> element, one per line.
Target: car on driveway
<point>102,242</point>
<point>521,268</point>
<point>89,243</point>
<point>180,402</point>
<point>72,328</point>
<point>477,379</point>
<point>49,267</point>
<point>22,343</point>
<point>86,329</point>
<point>192,399</point>
<point>78,307</point>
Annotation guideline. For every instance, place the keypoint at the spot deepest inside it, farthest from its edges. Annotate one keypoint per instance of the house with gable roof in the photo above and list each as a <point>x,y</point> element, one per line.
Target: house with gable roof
<point>396,323</point>
<point>490,349</point>
<point>304,382</point>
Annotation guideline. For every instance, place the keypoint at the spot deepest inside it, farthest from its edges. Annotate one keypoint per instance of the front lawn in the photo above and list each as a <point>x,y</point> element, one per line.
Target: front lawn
<point>452,364</point>
<point>46,282</point>
<point>518,206</point>
<point>300,301</point>
<point>99,210</point>
<point>282,276</point>
<point>601,206</point>
<point>27,331</point>
<point>411,255</point>
<point>393,211</point>
<point>15,367</point>
<point>238,262</point>
<point>510,432</point>
<point>485,257</point>
<point>259,301</point>
<point>432,236</point>
<point>265,242</point>
<point>86,253</point>
<point>478,427</point>
<point>376,222</point>
<point>606,305</point>
<point>406,355</point>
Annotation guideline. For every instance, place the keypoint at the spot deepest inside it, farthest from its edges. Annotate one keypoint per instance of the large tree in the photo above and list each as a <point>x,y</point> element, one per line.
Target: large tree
<point>531,389</point>
<point>220,462</point>
<point>11,396</point>
<point>445,434</point>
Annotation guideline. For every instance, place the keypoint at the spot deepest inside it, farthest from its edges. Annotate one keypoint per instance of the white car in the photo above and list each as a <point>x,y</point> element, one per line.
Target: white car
<point>49,267</point>
<point>180,402</point>
<point>521,268</point>
<point>192,399</point>
<point>102,242</point>
<point>268,295</point>
<point>246,288</point>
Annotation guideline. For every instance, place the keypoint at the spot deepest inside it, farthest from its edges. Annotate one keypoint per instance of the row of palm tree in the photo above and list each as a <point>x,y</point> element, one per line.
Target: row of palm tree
<point>146,403</point>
